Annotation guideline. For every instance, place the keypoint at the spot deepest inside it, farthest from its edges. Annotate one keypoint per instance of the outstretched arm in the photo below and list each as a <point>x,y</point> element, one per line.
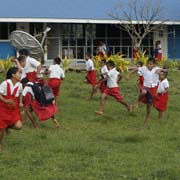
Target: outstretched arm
<point>131,72</point>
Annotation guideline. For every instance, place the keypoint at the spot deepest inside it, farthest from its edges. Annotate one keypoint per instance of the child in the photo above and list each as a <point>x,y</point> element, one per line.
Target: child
<point>10,102</point>
<point>113,78</point>
<point>31,104</point>
<point>91,73</point>
<point>150,73</point>
<point>162,97</point>
<point>56,74</point>
<point>32,66</point>
<point>158,51</point>
<point>103,74</point>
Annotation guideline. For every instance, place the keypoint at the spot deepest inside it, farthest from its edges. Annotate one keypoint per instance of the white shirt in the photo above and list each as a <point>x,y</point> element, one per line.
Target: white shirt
<point>28,89</point>
<point>89,64</point>
<point>104,71</point>
<point>112,78</point>
<point>3,87</point>
<point>159,48</point>
<point>163,85</point>
<point>151,77</point>
<point>31,65</point>
<point>56,71</point>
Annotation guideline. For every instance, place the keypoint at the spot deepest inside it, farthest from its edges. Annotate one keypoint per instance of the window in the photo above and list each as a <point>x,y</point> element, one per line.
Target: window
<point>4,31</point>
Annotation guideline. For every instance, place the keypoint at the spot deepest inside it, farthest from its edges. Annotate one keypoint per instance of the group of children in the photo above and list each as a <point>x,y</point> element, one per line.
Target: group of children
<point>152,81</point>
<point>17,92</point>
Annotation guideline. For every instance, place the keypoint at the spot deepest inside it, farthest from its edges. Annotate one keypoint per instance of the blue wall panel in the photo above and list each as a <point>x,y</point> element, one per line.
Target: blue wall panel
<point>6,50</point>
<point>174,42</point>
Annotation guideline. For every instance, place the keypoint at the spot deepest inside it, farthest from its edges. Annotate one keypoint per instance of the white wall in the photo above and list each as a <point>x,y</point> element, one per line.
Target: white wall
<point>163,39</point>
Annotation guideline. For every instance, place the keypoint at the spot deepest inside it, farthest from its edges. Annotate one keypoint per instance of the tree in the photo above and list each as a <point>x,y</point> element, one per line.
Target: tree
<point>139,18</point>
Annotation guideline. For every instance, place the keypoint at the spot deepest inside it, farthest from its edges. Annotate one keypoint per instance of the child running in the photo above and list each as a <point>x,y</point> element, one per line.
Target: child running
<point>91,74</point>
<point>43,112</point>
<point>113,78</point>
<point>10,102</point>
<point>56,75</point>
<point>101,84</point>
<point>161,100</point>
<point>150,73</point>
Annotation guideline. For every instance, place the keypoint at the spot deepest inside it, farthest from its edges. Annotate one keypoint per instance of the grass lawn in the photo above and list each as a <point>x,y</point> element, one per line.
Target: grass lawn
<point>91,147</point>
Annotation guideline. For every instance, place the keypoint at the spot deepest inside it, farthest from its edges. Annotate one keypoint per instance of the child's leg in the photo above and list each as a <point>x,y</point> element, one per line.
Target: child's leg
<point>31,118</point>
<point>55,122</point>
<point>160,115</point>
<point>148,111</point>
<point>17,125</point>
<point>142,93</point>
<point>93,91</point>
<point>1,138</point>
<point>128,107</point>
<point>102,102</point>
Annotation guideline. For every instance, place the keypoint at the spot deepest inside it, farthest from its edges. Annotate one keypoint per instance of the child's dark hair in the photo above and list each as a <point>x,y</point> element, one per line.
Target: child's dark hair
<point>151,59</point>
<point>11,71</point>
<point>21,58</point>
<point>165,72</point>
<point>24,52</point>
<point>103,61</point>
<point>110,63</point>
<point>57,60</point>
<point>88,54</point>
<point>140,63</point>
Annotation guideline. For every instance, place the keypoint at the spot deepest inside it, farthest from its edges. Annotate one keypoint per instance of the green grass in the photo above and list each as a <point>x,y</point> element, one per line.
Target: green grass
<point>91,147</point>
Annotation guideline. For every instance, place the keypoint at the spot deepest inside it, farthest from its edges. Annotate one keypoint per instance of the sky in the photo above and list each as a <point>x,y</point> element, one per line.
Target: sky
<point>78,9</point>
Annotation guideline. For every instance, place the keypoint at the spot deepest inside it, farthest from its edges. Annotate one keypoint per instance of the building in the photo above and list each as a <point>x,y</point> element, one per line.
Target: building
<point>79,26</point>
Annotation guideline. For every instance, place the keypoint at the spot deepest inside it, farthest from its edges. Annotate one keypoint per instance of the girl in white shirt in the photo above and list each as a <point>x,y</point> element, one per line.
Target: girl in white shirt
<point>56,75</point>
<point>161,100</point>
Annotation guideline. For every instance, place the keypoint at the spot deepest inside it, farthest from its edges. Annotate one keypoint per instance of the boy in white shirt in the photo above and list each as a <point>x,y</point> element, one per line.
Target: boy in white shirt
<point>161,100</point>
<point>113,78</point>
<point>56,75</point>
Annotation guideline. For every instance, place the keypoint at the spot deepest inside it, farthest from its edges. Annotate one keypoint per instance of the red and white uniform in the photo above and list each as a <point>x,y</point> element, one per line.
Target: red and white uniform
<point>91,73</point>
<point>55,76</point>
<point>159,54</point>
<point>140,80</point>
<point>103,72</point>
<point>42,112</point>
<point>151,78</point>
<point>112,86</point>
<point>10,114</point>
<point>30,69</point>
<point>161,100</point>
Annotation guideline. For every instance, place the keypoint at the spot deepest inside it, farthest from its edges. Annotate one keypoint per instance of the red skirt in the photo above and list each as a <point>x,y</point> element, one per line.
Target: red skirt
<point>114,92</point>
<point>91,77</point>
<point>43,112</point>
<point>31,76</point>
<point>152,92</point>
<point>161,101</point>
<point>159,56</point>
<point>9,114</point>
<point>55,83</point>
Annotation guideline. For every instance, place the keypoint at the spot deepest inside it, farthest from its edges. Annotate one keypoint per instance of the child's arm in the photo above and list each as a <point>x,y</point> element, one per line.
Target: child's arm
<point>131,72</point>
<point>17,63</point>
<point>20,100</point>
<point>7,101</point>
<point>119,78</point>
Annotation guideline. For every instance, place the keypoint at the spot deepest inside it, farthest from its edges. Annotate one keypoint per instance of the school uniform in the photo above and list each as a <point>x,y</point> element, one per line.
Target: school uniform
<point>43,112</point>
<point>10,114</point>
<point>112,86</point>
<point>91,74</point>
<point>30,69</point>
<point>140,80</point>
<point>161,100</point>
<point>56,73</point>
<point>103,72</point>
<point>159,54</point>
<point>150,83</point>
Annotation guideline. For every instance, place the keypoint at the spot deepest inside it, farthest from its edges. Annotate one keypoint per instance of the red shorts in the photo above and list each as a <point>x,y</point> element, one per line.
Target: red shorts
<point>91,77</point>
<point>115,92</point>
<point>102,86</point>
<point>31,76</point>
<point>159,56</point>
<point>161,101</point>
<point>55,83</point>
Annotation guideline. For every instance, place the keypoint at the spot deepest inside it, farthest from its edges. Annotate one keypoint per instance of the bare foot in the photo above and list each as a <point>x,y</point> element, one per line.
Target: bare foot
<point>57,125</point>
<point>130,108</point>
<point>99,112</point>
<point>136,105</point>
